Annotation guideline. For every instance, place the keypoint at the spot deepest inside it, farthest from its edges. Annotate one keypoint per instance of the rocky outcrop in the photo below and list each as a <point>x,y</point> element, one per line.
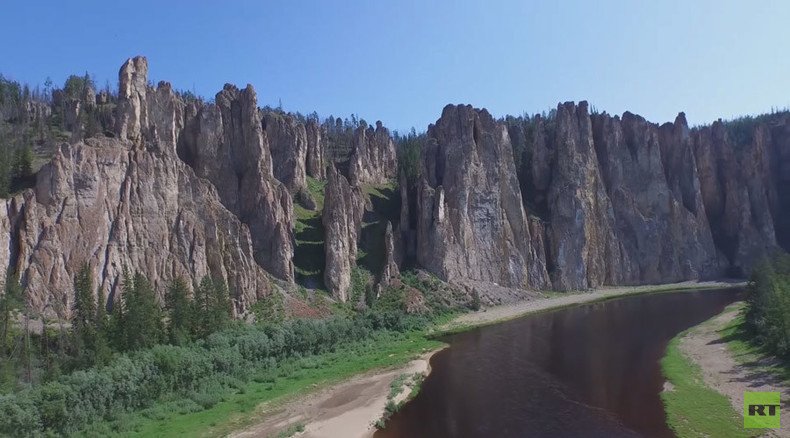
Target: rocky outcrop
<point>739,189</point>
<point>651,179</point>
<point>315,165</point>
<point>225,144</point>
<point>149,117</point>
<point>132,118</point>
<point>780,134</point>
<point>118,208</point>
<point>373,159</point>
<point>390,270</point>
<point>288,145</point>
<point>470,221</point>
<point>581,238</point>
<point>342,218</point>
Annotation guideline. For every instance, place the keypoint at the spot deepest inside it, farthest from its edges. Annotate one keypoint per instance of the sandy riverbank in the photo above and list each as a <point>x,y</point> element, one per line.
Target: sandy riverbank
<point>706,348</point>
<point>350,408</point>
<point>496,314</point>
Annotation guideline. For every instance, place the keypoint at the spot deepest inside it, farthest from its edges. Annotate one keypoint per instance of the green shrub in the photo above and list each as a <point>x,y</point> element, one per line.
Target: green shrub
<point>768,311</point>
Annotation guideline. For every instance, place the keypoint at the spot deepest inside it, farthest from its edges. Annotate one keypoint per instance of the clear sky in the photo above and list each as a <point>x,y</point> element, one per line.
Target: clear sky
<point>402,61</point>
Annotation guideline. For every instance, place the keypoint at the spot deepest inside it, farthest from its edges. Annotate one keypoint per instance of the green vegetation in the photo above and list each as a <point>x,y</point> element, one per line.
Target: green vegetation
<point>768,306</point>
<point>188,368</point>
<point>693,409</point>
<point>409,149</point>
<point>760,332</point>
<point>746,351</point>
<point>33,122</point>
<point>385,208</point>
<point>291,430</point>
<point>309,257</point>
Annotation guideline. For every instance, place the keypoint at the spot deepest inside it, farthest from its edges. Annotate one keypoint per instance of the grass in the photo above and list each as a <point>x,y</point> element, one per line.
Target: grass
<point>309,257</point>
<point>693,409</point>
<point>746,352</point>
<point>234,410</point>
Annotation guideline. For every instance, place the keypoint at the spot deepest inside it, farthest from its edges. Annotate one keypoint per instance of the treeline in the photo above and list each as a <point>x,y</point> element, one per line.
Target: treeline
<point>768,305</point>
<point>34,120</point>
<point>96,335</point>
<point>198,371</point>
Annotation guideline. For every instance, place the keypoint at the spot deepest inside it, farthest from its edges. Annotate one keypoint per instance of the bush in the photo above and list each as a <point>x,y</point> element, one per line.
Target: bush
<point>202,371</point>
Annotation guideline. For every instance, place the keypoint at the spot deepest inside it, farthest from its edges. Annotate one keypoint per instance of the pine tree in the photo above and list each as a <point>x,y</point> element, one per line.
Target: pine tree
<point>212,307</point>
<point>103,352</point>
<point>84,321</point>
<point>178,311</point>
<point>5,171</point>
<point>221,307</point>
<point>142,324</point>
<point>10,301</point>
<point>24,162</point>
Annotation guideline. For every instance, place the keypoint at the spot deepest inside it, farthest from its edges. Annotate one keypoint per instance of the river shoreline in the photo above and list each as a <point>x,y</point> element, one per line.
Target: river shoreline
<point>352,407</point>
<point>502,313</point>
<point>706,346</point>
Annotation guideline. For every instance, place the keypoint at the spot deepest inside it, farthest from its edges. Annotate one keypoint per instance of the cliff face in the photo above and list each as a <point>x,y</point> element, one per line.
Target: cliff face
<point>373,159</point>
<point>740,188</point>
<point>609,200</point>
<point>470,218</point>
<point>571,200</point>
<point>225,144</point>
<point>344,206</point>
<point>651,178</point>
<point>288,143</point>
<point>114,207</point>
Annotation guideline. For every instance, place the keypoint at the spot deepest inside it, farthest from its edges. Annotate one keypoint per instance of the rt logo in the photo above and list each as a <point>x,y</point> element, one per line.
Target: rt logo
<point>761,410</point>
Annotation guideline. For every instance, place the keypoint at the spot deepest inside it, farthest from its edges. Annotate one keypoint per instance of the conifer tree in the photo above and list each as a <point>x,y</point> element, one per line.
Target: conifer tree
<point>142,324</point>
<point>178,311</point>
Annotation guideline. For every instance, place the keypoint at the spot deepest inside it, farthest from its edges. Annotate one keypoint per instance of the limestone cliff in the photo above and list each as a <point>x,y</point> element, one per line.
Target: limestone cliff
<point>565,200</point>
<point>373,159</point>
<point>342,218</point>
<point>225,144</point>
<point>118,208</point>
<point>288,144</point>
<point>470,218</point>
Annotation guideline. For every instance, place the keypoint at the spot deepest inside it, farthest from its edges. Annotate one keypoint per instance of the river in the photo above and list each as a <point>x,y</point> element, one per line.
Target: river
<point>585,371</point>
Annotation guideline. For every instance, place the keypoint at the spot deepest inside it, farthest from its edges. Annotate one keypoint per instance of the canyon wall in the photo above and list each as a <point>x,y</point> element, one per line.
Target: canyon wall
<point>175,186</point>
<point>606,200</point>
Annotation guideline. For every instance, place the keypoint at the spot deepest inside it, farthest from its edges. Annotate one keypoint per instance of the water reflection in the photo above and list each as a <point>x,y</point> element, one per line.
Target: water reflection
<point>589,370</point>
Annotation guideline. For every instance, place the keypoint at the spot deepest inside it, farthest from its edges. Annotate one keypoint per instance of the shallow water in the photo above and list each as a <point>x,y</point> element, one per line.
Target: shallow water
<point>589,370</point>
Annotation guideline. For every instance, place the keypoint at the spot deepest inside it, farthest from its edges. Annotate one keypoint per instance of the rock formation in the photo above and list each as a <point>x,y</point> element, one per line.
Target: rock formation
<point>342,219</point>
<point>115,207</point>
<point>315,165</point>
<point>373,159</point>
<point>390,270</point>
<point>225,144</point>
<point>607,200</point>
<point>470,218</point>
<point>651,179</point>
<point>567,200</point>
<point>288,144</point>
<point>132,103</point>
<point>739,191</point>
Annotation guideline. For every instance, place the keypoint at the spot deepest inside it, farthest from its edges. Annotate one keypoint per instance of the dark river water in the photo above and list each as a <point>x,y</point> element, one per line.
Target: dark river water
<point>586,371</point>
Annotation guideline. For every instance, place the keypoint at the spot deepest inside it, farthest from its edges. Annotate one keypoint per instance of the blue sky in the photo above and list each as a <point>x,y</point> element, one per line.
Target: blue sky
<point>402,61</point>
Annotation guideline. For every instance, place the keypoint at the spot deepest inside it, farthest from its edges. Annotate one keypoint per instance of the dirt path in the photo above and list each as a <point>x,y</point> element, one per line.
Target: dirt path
<point>348,409</point>
<point>704,345</point>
